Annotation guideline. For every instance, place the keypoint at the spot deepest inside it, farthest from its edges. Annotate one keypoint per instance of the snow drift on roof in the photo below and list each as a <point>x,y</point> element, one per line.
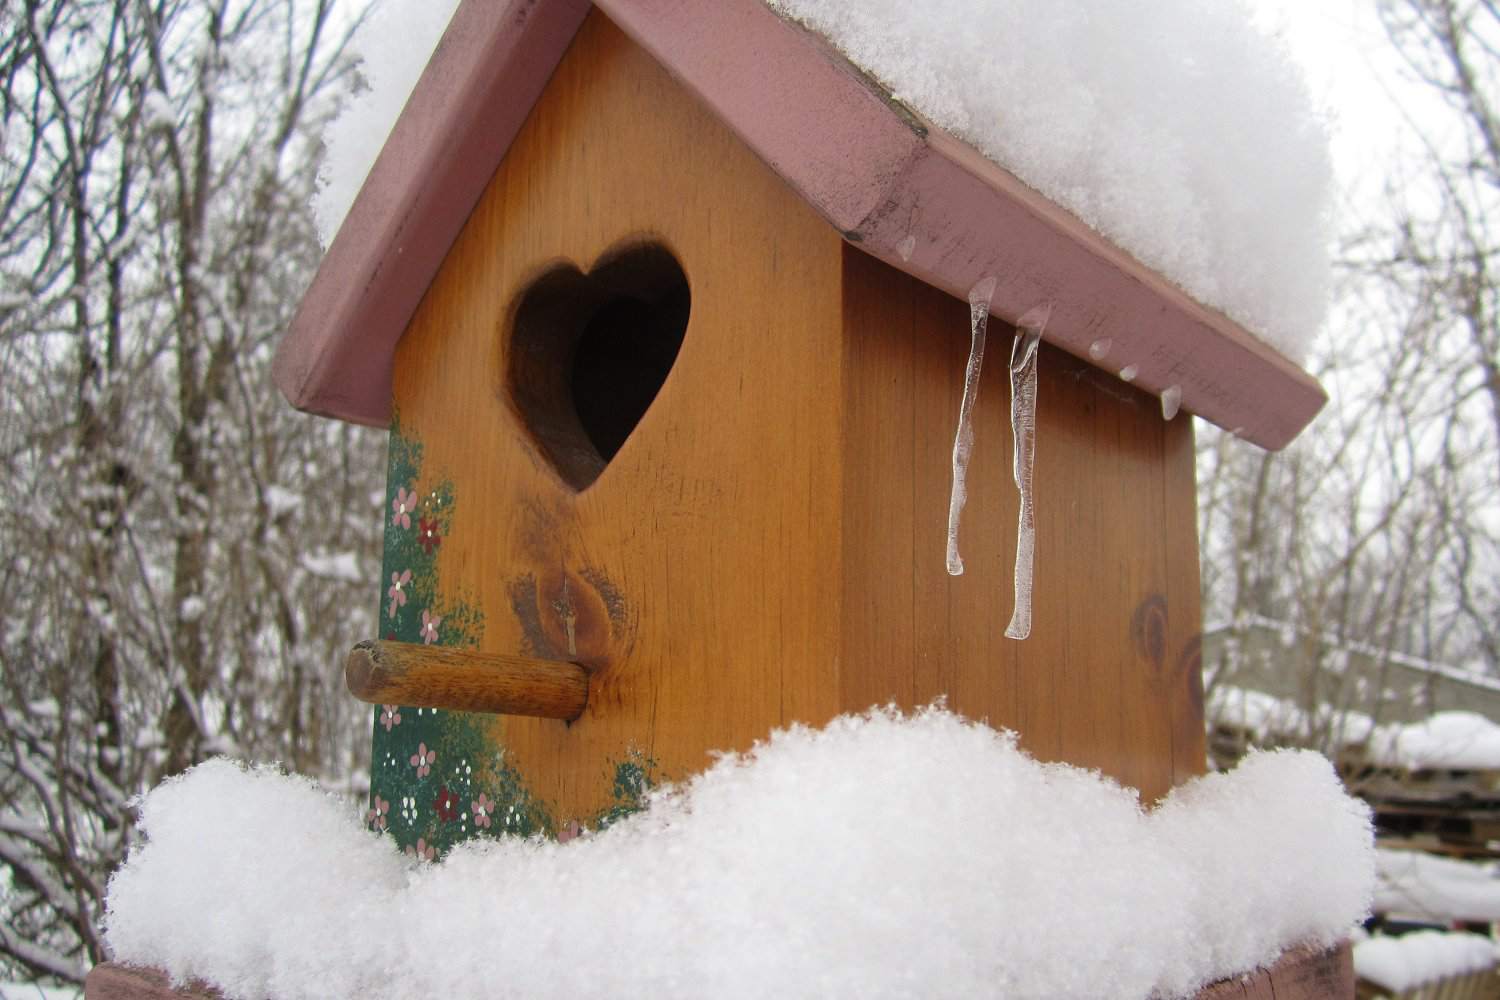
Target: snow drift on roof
<point>1173,127</point>
<point>881,856</point>
<point>393,46</point>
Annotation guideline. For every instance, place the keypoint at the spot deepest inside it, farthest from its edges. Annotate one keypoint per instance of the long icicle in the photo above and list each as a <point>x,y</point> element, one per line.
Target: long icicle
<point>1023,362</point>
<point>963,441</point>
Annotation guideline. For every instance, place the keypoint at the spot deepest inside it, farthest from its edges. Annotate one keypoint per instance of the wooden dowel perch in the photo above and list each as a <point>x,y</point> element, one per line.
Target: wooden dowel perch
<point>404,673</point>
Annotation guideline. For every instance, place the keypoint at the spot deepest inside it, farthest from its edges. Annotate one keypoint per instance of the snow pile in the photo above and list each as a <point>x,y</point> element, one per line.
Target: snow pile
<point>882,856</point>
<point>1412,960</point>
<point>1269,718</point>
<point>393,46</point>
<point>1447,740</point>
<point>1420,886</point>
<point>1176,129</point>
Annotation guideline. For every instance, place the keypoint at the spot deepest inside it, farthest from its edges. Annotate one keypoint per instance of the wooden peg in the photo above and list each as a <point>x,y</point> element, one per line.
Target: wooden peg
<point>403,673</point>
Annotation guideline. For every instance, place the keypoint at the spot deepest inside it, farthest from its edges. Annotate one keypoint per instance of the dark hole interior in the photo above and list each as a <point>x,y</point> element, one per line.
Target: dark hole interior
<point>621,361</point>
<point>590,352</point>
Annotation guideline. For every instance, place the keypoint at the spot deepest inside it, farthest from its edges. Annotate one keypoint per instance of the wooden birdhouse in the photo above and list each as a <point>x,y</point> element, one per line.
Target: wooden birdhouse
<point>665,307</point>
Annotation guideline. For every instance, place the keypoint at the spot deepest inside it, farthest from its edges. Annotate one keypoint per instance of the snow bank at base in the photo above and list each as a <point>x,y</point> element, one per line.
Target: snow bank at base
<point>393,46</point>
<point>1422,887</point>
<point>1176,129</point>
<point>1412,960</point>
<point>882,856</point>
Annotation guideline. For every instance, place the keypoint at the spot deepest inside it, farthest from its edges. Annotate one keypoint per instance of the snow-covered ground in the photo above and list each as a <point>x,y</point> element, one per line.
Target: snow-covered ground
<point>1413,960</point>
<point>1415,886</point>
<point>881,856</point>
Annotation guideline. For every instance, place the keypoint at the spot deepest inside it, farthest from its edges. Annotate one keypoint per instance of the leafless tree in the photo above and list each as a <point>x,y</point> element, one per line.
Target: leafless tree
<point>182,555</point>
<point>1381,526</point>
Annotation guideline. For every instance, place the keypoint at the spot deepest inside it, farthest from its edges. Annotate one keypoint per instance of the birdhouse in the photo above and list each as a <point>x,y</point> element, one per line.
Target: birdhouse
<point>667,308</point>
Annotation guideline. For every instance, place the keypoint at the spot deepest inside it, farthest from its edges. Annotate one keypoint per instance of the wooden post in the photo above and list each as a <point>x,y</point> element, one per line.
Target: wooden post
<point>403,673</point>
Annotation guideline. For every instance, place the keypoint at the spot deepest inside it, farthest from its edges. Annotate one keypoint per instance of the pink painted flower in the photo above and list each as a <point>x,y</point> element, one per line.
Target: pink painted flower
<point>482,807</point>
<point>422,851</point>
<point>430,623</point>
<point>390,715</point>
<point>572,831</point>
<point>423,760</point>
<point>376,816</point>
<point>397,591</point>
<point>402,506</point>
<point>428,534</point>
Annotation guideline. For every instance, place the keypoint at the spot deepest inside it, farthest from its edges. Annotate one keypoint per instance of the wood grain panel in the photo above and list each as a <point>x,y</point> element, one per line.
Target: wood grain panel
<point>710,542</point>
<point>767,546</point>
<point>1116,580</point>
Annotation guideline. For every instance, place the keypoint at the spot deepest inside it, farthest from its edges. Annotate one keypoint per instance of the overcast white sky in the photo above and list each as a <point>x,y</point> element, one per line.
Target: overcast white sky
<point>1358,78</point>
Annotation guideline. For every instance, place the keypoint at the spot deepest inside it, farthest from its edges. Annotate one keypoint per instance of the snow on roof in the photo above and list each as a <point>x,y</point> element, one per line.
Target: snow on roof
<point>1423,887</point>
<point>881,856</point>
<point>392,45</point>
<point>917,197</point>
<point>1404,963</point>
<point>1177,129</point>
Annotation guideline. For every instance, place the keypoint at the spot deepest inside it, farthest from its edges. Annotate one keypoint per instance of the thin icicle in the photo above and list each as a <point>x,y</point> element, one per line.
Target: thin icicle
<point>1023,361</point>
<point>963,441</point>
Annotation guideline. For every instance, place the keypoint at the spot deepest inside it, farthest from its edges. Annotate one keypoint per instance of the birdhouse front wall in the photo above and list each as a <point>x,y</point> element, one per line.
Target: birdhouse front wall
<point>766,546</point>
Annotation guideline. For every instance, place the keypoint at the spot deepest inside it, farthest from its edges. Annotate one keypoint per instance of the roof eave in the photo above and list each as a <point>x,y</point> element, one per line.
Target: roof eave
<point>912,196</point>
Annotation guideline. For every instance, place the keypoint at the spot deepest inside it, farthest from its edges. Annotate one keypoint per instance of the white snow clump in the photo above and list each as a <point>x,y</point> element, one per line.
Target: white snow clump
<point>882,856</point>
<point>393,46</point>
<point>1175,128</point>
<point>1404,963</point>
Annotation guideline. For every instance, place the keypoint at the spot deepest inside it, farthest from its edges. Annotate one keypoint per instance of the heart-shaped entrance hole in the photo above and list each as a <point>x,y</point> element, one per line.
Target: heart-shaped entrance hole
<point>588,353</point>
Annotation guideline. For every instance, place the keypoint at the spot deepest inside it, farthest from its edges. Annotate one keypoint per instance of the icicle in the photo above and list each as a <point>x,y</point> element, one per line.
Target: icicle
<point>963,441</point>
<point>1099,349</point>
<point>1170,400</point>
<point>1129,372</point>
<point>906,248</point>
<point>1023,361</point>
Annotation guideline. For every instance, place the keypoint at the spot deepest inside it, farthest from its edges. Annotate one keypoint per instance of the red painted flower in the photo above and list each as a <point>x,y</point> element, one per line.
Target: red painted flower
<point>446,805</point>
<point>428,534</point>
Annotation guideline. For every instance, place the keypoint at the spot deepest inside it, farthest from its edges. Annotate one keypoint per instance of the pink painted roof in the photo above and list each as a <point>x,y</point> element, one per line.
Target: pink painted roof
<point>913,196</point>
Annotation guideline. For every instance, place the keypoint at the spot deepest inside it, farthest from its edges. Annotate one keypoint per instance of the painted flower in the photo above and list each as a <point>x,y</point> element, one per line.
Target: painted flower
<point>397,591</point>
<point>482,808</point>
<point>572,831</point>
<point>376,816</point>
<point>402,507</point>
<point>390,715</point>
<point>422,851</point>
<point>430,623</point>
<point>428,534</point>
<point>446,805</point>
<point>423,760</point>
